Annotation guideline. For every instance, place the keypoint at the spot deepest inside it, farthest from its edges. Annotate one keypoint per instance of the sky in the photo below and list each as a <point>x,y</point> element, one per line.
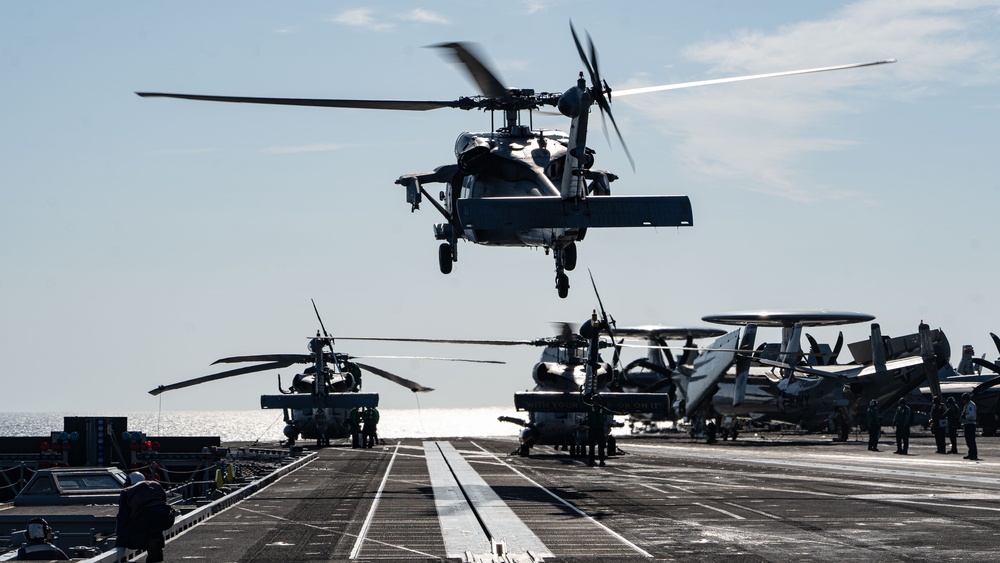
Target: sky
<point>143,239</point>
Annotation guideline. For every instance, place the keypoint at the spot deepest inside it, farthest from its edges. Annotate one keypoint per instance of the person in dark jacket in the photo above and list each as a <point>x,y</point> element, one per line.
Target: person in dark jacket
<point>143,515</point>
<point>354,419</point>
<point>951,414</point>
<point>939,424</point>
<point>874,420</point>
<point>37,546</point>
<point>370,418</point>
<point>901,420</point>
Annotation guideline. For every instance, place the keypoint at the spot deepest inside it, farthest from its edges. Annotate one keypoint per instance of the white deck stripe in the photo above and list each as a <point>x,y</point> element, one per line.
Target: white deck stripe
<point>459,527</point>
<point>726,512</point>
<point>371,511</point>
<point>572,507</point>
<point>499,519</point>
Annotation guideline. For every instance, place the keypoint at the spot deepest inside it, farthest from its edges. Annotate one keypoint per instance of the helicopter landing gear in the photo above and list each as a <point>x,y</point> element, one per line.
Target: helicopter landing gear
<point>562,285</point>
<point>569,257</point>
<point>563,263</point>
<point>446,257</point>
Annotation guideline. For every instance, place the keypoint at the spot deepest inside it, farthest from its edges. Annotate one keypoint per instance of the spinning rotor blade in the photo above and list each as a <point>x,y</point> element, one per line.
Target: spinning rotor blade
<point>609,324</point>
<point>283,358</point>
<point>426,358</point>
<point>678,86</point>
<point>405,105</point>
<point>220,375</point>
<point>599,89</point>
<point>448,341</point>
<point>465,54</point>
<point>411,385</point>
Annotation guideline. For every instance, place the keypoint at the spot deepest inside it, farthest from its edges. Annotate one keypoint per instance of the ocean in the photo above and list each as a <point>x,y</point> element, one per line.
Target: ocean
<point>266,425</point>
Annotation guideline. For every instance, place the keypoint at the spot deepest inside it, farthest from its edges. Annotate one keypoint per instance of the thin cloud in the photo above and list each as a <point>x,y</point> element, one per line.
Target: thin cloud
<point>318,147</point>
<point>762,132</point>
<point>361,17</point>
<point>421,15</point>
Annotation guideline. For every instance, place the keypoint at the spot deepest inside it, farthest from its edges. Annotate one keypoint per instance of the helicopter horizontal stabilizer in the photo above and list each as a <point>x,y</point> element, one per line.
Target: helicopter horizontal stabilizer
<point>307,401</point>
<point>550,212</point>
<point>621,403</point>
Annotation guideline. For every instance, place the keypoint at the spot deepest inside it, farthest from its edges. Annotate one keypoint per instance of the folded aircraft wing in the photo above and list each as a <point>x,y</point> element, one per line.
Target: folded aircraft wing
<point>709,367</point>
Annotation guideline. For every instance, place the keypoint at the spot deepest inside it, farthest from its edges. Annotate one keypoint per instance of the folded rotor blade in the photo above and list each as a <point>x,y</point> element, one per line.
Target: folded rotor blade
<point>220,375</point>
<point>648,89</point>
<point>406,105</point>
<point>465,54</point>
<point>426,358</point>
<point>411,385</point>
<point>996,340</point>
<point>986,364</point>
<point>986,385</point>
<point>284,358</point>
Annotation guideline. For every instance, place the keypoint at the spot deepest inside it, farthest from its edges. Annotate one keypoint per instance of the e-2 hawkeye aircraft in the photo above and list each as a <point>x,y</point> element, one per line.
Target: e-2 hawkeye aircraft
<point>783,383</point>
<point>520,186</point>
<point>317,404</point>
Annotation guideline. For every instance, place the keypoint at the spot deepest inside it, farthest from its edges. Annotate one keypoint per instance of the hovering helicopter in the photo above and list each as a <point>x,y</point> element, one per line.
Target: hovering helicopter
<point>781,383</point>
<point>317,403</point>
<point>519,186</point>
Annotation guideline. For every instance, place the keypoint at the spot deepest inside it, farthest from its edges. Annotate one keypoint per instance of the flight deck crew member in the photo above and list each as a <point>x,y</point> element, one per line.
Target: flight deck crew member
<point>37,546</point>
<point>939,424</point>
<point>596,424</point>
<point>874,419</point>
<point>901,420</point>
<point>143,515</point>
<point>951,414</point>
<point>354,419</point>
<point>969,414</point>
<point>370,418</point>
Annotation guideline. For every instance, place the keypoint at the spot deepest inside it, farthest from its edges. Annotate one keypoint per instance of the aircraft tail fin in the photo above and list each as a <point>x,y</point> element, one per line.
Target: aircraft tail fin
<point>709,368</point>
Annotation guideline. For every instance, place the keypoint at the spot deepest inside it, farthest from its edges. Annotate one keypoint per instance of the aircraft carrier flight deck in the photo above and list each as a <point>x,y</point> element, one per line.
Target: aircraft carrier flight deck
<point>761,498</point>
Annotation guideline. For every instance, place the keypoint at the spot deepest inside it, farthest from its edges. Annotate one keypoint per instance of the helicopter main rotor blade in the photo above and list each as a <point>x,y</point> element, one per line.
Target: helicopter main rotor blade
<point>447,341</point>
<point>411,385</point>
<point>405,105</point>
<point>220,375</point>
<point>598,89</point>
<point>426,358</point>
<point>466,55</point>
<point>986,385</point>
<point>986,364</point>
<point>679,85</point>
<point>286,358</point>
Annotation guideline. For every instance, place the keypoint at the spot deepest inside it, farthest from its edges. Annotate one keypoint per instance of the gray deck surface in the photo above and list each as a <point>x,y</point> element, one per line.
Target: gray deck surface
<point>777,498</point>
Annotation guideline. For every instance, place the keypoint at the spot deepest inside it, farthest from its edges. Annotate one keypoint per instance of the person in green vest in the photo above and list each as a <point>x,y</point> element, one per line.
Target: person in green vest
<point>901,420</point>
<point>874,420</point>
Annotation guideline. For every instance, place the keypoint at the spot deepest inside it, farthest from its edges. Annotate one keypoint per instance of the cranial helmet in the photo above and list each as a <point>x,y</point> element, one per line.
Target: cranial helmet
<point>966,397</point>
<point>38,529</point>
<point>135,477</point>
<point>872,403</point>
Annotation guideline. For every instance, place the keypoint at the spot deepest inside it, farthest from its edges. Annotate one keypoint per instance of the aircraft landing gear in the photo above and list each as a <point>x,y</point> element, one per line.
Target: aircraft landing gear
<point>447,256</point>
<point>565,260</point>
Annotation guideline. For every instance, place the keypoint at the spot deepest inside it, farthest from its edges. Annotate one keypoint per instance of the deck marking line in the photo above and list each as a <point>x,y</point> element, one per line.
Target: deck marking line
<point>569,505</point>
<point>499,520</point>
<point>726,512</point>
<point>371,511</point>
<point>755,511</point>
<point>942,504</point>
<point>689,491</point>
<point>290,521</point>
<point>460,528</point>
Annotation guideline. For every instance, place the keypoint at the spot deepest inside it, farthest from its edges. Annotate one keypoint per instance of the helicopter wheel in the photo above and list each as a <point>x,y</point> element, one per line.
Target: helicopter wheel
<point>524,450</point>
<point>612,446</point>
<point>444,257</point>
<point>562,285</point>
<point>569,257</point>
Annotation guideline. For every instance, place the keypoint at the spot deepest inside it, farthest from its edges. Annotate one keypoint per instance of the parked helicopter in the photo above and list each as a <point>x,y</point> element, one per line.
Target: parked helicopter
<point>519,186</point>
<point>569,377</point>
<point>317,403</point>
<point>782,383</point>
